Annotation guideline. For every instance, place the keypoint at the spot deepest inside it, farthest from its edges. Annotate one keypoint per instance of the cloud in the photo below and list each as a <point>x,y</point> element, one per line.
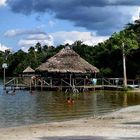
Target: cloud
<point>18,32</point>
<point>136,14</point>
<point>2,2</point>
<point>62,37</point>
<point>3,47</point>
<point>51,23</point>
<point>31,40</point>
<point>30,6</point>
<point>88,38</point>
<point>38,37</point>
<point>102,16</point>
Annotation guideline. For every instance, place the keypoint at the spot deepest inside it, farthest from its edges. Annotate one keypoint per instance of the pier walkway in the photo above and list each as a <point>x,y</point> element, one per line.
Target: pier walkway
<point>74,85</point>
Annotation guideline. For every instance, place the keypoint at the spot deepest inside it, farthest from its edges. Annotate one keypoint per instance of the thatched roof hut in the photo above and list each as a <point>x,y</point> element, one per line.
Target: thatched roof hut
<point>67,61</point>
<point>29,70</point>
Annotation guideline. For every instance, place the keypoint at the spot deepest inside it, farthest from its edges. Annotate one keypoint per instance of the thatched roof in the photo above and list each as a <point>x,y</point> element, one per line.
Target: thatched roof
<point>28,70</point>
<point>67,60</point>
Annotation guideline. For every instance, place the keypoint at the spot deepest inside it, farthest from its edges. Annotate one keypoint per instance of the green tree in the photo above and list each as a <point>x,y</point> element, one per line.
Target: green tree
<point>38,47</point>
<point>126,41</point>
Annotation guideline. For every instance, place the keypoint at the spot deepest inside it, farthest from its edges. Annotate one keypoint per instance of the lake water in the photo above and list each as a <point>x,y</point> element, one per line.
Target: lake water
<point>47,106</point>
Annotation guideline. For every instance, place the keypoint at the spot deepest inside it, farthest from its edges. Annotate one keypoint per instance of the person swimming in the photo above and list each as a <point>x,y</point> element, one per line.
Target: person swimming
<point>70,101</point>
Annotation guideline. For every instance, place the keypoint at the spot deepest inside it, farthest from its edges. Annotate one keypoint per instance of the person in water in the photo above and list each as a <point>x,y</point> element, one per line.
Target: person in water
<point>70,101</point>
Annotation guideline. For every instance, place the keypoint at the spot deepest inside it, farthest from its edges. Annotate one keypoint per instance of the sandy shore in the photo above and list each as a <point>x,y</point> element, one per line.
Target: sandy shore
<point>121,125</point>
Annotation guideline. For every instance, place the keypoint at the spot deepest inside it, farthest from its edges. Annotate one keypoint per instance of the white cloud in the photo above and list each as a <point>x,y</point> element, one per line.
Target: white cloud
<point>61,37</point>
<point>25,49</point>
<point>28,43</point>
<point>70,42</point>
<point>136,14</point>
<point>3,2</point>
<point>87,38</point>
<point>51,23</point>
<point>11,33</point>
<point>33,39</point>
<point>3,47</point>
<point>37,37</point>
<point>18,32</point>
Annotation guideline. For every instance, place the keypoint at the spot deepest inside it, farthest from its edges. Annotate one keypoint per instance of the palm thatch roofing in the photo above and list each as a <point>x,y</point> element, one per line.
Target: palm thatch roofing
<point>67,60</point>
<point>28,70</point>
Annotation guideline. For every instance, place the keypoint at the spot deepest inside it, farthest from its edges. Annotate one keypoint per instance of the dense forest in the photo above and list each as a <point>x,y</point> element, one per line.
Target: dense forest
<point>107,56</point>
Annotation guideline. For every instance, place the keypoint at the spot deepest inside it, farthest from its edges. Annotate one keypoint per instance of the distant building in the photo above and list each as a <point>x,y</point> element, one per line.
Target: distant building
<point>28,72</point>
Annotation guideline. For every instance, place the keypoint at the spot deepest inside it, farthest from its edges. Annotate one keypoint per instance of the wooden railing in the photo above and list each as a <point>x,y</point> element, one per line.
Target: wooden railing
<point>73,82</point>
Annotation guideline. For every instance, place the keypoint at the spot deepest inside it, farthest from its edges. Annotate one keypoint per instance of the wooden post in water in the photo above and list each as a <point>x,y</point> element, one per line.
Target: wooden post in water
<point>41,85</point>
<point>30,85</point>
<point>4,78</point>
<point>17,82</point>
<point>61,84</point>
<point>102,83</point>
<point>51,83</point>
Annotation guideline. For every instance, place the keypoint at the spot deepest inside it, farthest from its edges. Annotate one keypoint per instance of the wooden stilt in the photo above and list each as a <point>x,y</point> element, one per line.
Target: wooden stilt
<point>30,85</point>
<point>51,82</point>
<point>35,83</point>
<point>70,79</point>
<point>41,85</point>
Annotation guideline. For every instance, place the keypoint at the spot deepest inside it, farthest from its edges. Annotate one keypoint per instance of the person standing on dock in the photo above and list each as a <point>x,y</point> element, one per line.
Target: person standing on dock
<point>87,81</point>
<point>94,81</point>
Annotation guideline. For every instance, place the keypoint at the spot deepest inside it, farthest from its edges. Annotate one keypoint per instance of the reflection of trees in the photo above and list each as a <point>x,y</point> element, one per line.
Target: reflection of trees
<point>53,105</point>
<point>130,99</point>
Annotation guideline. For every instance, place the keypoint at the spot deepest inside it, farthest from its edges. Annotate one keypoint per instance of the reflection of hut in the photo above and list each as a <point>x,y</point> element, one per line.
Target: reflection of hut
<point>66,64</point>
<point>28,72</point>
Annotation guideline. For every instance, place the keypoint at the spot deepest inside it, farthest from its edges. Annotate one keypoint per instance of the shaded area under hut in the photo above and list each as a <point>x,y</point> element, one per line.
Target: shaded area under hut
<point>66,70</point>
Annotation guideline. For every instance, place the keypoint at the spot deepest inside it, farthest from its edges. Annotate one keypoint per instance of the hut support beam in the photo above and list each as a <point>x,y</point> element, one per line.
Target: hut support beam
<point>51,82</point>
<point>30,85</point>
<point>79,82</point>
<point>70,79</point>
<point>66,82</point>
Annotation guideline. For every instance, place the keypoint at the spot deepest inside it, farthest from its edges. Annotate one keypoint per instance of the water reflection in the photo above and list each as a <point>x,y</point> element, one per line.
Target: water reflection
<point>27,108</point>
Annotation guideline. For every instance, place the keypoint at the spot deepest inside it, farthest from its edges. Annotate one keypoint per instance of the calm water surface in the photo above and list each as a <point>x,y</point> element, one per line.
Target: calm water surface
<point>46,106</point>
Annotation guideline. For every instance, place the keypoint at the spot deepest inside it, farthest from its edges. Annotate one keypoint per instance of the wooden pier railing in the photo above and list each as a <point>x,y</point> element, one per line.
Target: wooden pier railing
<point>74,84</point>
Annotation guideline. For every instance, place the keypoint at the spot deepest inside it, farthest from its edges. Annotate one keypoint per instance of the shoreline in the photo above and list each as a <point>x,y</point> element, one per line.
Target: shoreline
<point>122,124</point>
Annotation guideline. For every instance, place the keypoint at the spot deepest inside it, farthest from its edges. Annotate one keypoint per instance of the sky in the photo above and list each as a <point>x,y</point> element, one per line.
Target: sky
<point>23,23</point>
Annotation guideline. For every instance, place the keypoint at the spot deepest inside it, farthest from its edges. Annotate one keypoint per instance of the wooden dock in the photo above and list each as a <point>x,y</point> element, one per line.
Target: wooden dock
<point>74,85</point>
